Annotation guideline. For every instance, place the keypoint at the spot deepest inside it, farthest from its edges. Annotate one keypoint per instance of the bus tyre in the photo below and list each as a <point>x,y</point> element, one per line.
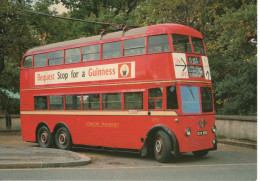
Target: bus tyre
<point>162,147</point>
<point>63,139</point>
<point>44,137</point>
<point>200,153</point>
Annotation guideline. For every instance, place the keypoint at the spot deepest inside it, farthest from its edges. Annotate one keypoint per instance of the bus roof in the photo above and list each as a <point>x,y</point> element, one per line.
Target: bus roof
<point>149,30</point>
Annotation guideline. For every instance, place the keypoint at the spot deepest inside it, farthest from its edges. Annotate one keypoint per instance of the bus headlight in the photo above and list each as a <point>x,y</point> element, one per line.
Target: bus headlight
<point>214,129</point>
<point>188,132</point>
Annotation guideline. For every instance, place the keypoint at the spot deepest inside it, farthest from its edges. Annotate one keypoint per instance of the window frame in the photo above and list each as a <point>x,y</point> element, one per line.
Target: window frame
<point>124,100</point>
<point>195,65</point>
<point>47,102</point>
<point>177,97</point>
<point>135,47</point>
<point>193,50</point>
<point>31,61</point>
<point>212,99</point>
<point>68,49</point>
<point>100,101</point>
<point>156,98</point>
<point>99,52</point>
<point>198,102</point>
<point>155,52</point>
<point>65,100</point>
<point>121,96</point>
<point>36,59</point>
<point>63,56</point>
<point>190,42</point>
<point>110,42</point>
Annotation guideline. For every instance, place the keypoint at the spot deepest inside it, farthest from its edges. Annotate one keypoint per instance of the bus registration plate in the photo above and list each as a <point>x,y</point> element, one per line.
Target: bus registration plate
<point>201,133</point>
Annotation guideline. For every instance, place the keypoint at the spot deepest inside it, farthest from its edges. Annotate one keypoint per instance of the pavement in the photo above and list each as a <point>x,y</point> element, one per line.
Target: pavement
<point>36,157</point>
<point>12,157</point>
<point>241,143</point>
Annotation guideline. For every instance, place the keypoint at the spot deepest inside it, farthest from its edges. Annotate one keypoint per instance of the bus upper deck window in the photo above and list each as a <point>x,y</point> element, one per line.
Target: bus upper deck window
<point>72,55</point>
<point>134,46</point>
<point>198,45</point>
<point>112,50</point>
<point>91,52</point>
<point>40,60</point>
<point>158,43</point>
<point>55,58</point>
<point>27,63</point>
<point>181,43</point>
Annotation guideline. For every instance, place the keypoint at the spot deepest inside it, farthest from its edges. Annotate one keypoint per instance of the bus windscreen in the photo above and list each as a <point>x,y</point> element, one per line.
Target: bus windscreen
<point>190,99</point>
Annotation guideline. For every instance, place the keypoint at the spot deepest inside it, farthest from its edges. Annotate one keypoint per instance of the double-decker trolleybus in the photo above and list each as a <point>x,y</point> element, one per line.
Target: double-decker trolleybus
<point>146,89</point>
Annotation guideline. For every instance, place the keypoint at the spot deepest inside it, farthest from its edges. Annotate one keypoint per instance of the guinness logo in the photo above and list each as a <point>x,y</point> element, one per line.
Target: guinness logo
<point>124,70</point>
<point>202,123</point>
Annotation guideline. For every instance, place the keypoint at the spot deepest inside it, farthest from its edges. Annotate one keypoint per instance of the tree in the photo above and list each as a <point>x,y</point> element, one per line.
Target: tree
<point>232,54</point>
<point>16,36</point>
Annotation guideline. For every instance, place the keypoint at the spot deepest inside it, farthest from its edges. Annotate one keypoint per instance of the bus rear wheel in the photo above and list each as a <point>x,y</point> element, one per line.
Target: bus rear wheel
<point>162,147</point>
<point>63,139</point>
<point>44,137</point>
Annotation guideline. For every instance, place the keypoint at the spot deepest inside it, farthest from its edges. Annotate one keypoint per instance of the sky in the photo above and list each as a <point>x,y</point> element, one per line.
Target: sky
<point>59,8</point>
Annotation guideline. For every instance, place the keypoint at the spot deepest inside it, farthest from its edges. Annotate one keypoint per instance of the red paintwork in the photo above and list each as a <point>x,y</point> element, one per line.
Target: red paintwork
<point>149,69</point>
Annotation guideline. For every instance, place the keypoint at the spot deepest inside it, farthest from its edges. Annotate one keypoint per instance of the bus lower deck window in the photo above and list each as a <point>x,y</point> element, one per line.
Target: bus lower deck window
<point>172,102</point>
<point>112,101</point>
<point>56,102</point>
<point>73,102</point>
<point>155,100</point>
<point>91,101</point>
<point>40,103</point>
<point>206,99</point>
<point>133,100</point>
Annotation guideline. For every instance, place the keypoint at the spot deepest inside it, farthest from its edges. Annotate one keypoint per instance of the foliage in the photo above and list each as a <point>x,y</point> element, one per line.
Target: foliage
<point>229,29</point>
<point>233,60</point>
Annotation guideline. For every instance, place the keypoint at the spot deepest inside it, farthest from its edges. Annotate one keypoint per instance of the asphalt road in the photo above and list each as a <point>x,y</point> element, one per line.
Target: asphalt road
<point>227,163</point>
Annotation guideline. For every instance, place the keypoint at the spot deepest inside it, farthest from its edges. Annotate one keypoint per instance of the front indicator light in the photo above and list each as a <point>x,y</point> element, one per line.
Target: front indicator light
<point>214,129</point>
<point>188,132</point>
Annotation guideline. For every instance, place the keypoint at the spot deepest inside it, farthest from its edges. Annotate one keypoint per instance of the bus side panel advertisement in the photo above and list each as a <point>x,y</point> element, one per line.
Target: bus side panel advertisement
<point>124,70</point>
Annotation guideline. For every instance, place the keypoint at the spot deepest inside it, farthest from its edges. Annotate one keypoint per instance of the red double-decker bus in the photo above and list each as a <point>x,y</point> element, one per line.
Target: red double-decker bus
<point>146,89</point>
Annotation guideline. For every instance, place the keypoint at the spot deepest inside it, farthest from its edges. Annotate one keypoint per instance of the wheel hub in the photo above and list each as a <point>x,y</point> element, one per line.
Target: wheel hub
<point>62,138</point>
<point>44,137</point>
<point>158,146</point>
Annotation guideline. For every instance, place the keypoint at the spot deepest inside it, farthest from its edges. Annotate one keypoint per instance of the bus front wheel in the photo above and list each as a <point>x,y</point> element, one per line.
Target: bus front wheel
<point>162,147</point>
<point>44,137</point>
<point>63,139</point>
